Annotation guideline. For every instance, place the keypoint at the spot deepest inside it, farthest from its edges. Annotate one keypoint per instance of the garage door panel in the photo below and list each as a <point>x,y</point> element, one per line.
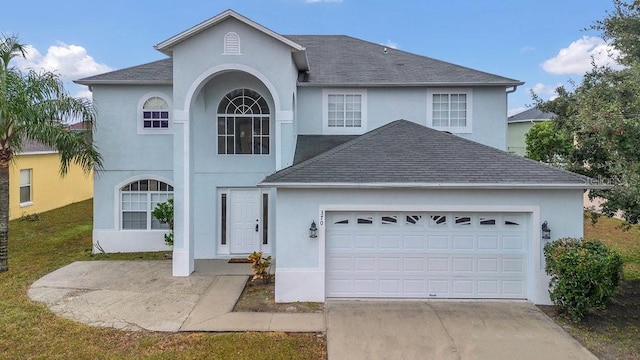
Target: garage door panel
<point>462,288</point>
<point>390,242</point>
<point>340,263</point>
<point>514,288</point>
<point>488,288</point>
<point>365,264</point>
<point>365,287</point>
<point>413,287</point>
<point>339,241</point>
<point>413,242</point>
<point>513,265</point>
<point>438,242</point>
<point>513,242</point>
<point>365,242</point>
<point>437,287</point>
<point>462,242</point>
<point>414,265</point>
<point>389,264</point>
<point>436,264</point>
<point>462,265</point>
<point>427,255</point>
<point>488,242</point>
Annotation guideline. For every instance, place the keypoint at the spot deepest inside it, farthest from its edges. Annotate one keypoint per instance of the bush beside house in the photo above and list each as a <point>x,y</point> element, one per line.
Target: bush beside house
<point>584,275</point>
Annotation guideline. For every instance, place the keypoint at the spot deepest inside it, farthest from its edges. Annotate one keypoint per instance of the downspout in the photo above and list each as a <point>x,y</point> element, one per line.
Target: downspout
<point>512,90</point>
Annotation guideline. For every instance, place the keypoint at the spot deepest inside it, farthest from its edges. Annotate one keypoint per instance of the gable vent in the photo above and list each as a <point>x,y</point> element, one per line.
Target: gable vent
<point>231,44</point>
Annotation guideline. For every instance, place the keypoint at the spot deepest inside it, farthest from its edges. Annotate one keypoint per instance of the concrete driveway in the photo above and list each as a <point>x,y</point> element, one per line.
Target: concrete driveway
<point>445,330</point>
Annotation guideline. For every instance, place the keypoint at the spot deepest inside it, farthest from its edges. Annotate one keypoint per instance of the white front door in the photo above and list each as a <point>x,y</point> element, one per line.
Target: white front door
<point>245,221</point>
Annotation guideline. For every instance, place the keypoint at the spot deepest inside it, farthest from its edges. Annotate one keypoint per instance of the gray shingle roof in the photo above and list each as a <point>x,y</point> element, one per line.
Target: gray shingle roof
<point>31,146</point>
<point>337,60</point>
<point>531,114</point>
<point>309,146</point>
<point>157,72</point>
<point>410,154</point>
<point>343,60</point>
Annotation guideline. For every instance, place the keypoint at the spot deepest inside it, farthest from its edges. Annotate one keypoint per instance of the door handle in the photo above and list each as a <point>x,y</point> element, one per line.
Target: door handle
<point>256,227</point>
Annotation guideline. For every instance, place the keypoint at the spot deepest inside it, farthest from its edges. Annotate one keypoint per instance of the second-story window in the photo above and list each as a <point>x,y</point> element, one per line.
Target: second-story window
<point>243,123</point>
<point>449,110</point>
<point>155,114</point>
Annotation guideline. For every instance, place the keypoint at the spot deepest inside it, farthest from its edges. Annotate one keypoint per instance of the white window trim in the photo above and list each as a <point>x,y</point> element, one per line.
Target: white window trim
<point>452,129</point>
<point>117,200</point>
<point>326,130</point>
<point>226,47</point>
<point>30,202</point>
<point>140,125</point>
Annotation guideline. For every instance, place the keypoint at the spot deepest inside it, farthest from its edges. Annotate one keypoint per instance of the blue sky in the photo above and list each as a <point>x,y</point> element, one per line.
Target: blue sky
<point>542,42</point>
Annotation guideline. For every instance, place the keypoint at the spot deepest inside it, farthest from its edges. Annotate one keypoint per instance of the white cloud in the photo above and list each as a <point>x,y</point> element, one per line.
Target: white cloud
<point>545,92</point>
<point>83,93</point>
<point>577,57</point>
<point>391,44</point>
<point>71,62</point>
<point>527,49</point>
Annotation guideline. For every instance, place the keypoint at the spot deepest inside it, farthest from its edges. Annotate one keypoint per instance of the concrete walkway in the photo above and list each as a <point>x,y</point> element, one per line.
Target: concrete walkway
<point>445,330</point>
<point>135,295</point>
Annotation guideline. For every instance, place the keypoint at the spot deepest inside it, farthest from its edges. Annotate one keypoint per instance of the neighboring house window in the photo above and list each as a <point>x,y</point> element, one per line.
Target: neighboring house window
<point>232,44</point>
<point>138,199</point>
<point>344,111</point>
<point>25,186</point>
<point>243,123</point>
<point>449,110</point>
<point>155,114</point>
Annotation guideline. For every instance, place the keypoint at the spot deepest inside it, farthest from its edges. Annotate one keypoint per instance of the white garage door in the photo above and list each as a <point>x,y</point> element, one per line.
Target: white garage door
<point>426,255</point>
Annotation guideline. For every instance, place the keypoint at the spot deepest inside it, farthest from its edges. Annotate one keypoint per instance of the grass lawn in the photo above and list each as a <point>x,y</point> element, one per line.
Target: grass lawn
<point>29,330</point>
<point>615,332</point>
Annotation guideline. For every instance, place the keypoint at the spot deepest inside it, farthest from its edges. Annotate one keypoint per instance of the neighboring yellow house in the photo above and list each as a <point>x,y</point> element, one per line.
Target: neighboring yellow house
<point>36,185</point>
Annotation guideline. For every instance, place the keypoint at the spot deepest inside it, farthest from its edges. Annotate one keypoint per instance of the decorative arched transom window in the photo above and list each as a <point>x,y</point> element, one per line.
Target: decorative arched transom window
<point>232,44</point>
<point>155,113</point>
<point>137,201</point>
<point>243,123</point>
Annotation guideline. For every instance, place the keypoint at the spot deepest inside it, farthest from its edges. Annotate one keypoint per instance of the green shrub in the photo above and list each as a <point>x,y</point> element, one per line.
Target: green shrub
<point>584,275</point>
<point>164,213</point>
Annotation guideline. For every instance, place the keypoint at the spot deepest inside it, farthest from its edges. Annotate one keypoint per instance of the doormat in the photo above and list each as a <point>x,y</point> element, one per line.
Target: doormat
<point>239,261</point>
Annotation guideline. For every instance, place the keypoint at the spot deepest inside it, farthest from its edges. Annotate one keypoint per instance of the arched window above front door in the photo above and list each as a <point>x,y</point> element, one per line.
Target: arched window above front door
<point>243,123</point>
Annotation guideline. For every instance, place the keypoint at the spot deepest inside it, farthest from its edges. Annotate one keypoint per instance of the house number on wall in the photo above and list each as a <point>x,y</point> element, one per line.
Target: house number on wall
<point>321,218</point>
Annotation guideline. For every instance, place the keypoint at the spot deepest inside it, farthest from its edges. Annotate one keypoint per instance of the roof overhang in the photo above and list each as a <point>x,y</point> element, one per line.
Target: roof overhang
<point>122,82</point>
<point>298,51</point>
<point>488,186</point>
<point>527,121</point>
<point>425,84</point>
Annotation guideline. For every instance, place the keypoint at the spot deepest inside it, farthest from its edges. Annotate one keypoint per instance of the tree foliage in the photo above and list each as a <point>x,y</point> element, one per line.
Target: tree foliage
<point>546,144</point>
<point>602,116</point>
<point>35,106</point>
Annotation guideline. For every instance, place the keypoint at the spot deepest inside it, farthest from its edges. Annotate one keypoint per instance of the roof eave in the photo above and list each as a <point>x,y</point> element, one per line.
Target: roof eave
<point>527,121</point>
<point>423,84</point>
<point>166,46</point>
<point>498,186</point>
<point>123,82</point>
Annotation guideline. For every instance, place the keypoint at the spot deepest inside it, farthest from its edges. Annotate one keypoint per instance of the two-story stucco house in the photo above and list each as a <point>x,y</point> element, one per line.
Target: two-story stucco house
<point>397,159</point>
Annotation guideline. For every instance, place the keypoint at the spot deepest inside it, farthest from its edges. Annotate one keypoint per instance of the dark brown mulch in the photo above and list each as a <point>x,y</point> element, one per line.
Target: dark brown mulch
<point>613,333</point>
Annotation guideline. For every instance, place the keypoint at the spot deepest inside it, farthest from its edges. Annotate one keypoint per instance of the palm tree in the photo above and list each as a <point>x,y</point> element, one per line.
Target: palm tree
<point>34,106</point>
